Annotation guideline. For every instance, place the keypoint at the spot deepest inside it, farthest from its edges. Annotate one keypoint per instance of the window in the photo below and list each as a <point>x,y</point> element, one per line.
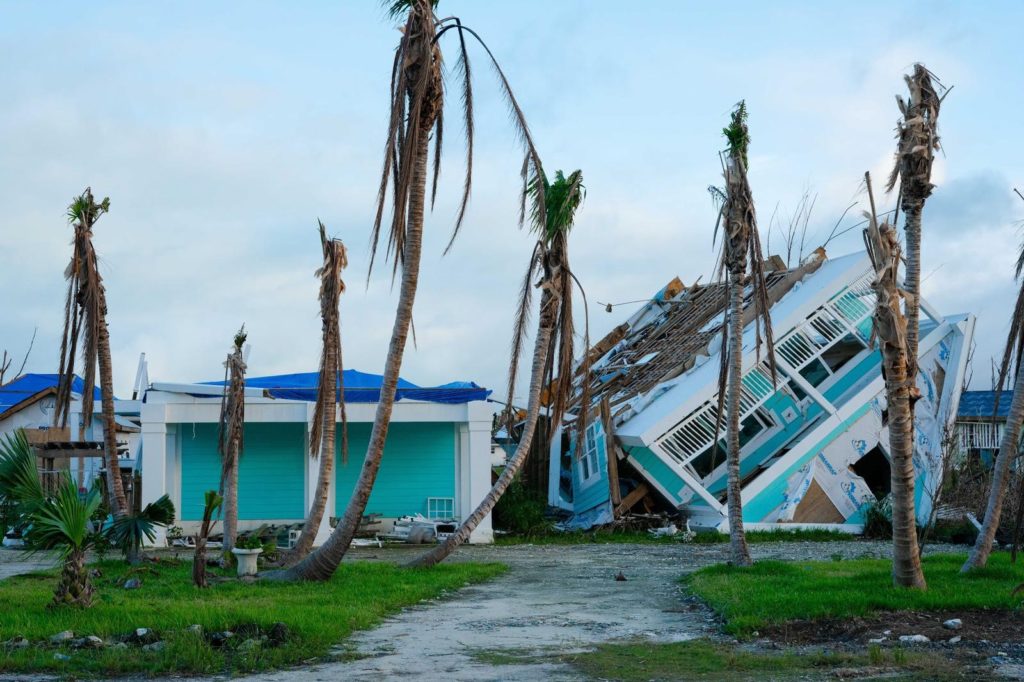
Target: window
<point>590,462</point>
<point>842,352</point>
<point>441,508</point>
<point>815,372</point>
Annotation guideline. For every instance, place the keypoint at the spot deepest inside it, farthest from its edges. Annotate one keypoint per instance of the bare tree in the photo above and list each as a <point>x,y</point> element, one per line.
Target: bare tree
<point>230,440</point>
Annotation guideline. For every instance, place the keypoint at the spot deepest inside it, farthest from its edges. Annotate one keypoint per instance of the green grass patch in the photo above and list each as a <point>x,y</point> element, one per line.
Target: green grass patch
<point>702,659</point>
<point>318,615</point>
<point>773,592</point>
<point>702,538</point>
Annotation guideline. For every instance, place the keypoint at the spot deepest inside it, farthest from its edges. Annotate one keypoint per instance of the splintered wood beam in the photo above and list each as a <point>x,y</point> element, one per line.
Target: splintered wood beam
<point>610,448</point>
<point>631,499</point>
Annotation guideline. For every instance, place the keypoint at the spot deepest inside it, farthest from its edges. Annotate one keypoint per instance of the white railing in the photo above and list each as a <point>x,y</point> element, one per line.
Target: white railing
<point>825,327</point>
<point>979,435</point>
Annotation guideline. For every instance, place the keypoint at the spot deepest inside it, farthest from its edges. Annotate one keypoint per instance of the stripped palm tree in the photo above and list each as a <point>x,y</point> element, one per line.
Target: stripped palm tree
<point>330,392</point>
<point>230,439</point>
<point>85,319</point>
<point>417,109</point>
<point>918,142</point>
<point>1012,355</point>
<point>741,246</point>
<point>553,345</point>
<point>890,330</point>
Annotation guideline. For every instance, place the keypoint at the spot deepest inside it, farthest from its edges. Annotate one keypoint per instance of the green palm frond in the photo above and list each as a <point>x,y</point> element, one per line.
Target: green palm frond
<point>63,523</point>
<point>737,134</point>
<point>560,200</point>
<point>130,531</point>
<point>19,475</point>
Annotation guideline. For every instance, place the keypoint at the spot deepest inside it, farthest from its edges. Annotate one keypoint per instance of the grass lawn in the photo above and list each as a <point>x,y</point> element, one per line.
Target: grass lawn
<point>318,615</point>
<point>702,538</point>
<point>773,592</point>
<point>701,659</point>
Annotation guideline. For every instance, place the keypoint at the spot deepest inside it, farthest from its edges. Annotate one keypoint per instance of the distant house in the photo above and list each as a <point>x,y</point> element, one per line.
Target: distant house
<point>980,424</point>
<point>437,457</point>
<point>814,444</point>
<point>27,402</point>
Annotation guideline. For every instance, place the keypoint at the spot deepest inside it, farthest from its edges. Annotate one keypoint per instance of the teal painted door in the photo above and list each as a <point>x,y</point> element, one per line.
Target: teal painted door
<point>419,462</point>
<point>271,474</point>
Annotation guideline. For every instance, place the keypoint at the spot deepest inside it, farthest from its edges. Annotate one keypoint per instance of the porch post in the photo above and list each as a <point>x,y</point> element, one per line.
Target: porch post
<point>154,461</point>
<point>477,467</point>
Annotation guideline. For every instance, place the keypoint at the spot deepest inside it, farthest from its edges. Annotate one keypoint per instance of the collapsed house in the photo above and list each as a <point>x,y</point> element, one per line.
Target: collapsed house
<point>980,423</point>
<point>814,444</point>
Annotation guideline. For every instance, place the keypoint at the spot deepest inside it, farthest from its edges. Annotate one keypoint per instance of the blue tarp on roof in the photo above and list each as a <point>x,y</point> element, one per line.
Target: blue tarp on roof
<point>980,404</point>
<point>361,387</point>
<point>24,387</point>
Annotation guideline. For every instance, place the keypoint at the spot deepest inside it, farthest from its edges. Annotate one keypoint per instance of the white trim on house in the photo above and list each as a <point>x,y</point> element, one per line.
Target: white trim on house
<point>168,405</point>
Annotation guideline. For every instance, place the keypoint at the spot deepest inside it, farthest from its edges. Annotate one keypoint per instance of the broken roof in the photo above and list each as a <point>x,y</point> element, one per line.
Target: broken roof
<point>26,389</point>
<point>671,332</point>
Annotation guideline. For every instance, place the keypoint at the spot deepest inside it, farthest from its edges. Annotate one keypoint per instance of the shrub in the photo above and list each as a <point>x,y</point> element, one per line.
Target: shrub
<point>521,511</point>
<point>878,520</point>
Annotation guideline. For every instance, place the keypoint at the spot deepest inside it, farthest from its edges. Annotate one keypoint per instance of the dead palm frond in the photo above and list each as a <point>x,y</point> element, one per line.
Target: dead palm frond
<point>84,310</point>
<point>417,110</point>
<point>232,405</point>
<point>331,390</point>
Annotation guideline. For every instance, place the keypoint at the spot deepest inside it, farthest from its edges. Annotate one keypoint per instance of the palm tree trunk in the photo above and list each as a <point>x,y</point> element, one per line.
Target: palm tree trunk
<point>912,283</point>
<point>545,329</point>
<point>321,564</point>
<point>230,498</point>
<point>906,555</point>
<point>115,491</point>
<point>1000,478</point>
<point>323,481</point>
<point>74,588</point>
<point>737,539</point>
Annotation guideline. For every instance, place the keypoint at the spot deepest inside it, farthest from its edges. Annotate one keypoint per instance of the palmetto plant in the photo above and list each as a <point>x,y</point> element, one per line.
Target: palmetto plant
<point>62,523</point>
<point>230,436</point>
<point>417,112</point>
<point>85,321</point>
<point>212,502</point>
<point>553,352</point>
<point>1012,354</point>
<point>130,531</point>
<point>741,247</point>
<point>330,389</point>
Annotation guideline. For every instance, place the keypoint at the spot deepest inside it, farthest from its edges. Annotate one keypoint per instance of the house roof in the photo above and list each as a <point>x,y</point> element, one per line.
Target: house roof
<point>361,387</point>
<point>669,333</point>
<point>26,389</point>
<point>981,404</point>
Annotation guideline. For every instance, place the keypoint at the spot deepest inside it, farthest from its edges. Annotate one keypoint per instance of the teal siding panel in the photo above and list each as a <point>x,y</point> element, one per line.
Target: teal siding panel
<point>659,471</point>
<point>419,462</point>
<point>271,474</point>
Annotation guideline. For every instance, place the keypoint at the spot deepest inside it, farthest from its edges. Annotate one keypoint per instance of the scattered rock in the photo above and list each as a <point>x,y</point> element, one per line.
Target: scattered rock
<point>953,624</point>
<point>132,584</point>
<point>90,642</point>
<point>195,629</point>
<point>887,633</point>
<point>218,639</point>
<point>95,573</point>
<point>955,640</point>
<point>62,637</point>
<point>61,657</point>
<point>914,639</point>
<point>620,577</point>
<point>142,636</point>
<point>877,640</point>
<point>278,634</point>
<point>249,645</point>
<point>18,642</point>
<point>155,647</point>
<point>120,645</point>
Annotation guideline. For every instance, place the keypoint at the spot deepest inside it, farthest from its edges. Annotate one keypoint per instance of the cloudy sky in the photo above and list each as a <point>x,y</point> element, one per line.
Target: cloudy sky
<point>222,131</point>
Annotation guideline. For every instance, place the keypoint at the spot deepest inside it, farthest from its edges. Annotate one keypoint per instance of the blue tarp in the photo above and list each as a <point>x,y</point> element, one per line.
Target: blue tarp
<point>27,385</point>
<point>980,404</point>
<point>361,387</point>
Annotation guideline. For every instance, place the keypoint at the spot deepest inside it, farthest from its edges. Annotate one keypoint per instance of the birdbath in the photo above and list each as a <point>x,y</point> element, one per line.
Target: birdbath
<point>246,560</point>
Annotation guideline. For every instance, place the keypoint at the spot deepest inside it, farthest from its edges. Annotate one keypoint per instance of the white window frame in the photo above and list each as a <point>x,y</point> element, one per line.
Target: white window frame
<point>590,460</point>
<point>437,505</point>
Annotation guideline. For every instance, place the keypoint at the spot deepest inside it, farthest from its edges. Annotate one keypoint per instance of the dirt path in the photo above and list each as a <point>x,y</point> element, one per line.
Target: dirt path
<point>562,598</point>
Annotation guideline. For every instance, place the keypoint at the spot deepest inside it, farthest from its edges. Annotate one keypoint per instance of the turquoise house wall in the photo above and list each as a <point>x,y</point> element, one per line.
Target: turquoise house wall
<point>419,462</point>
<point>271,473</point>
<point>595,492</point>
